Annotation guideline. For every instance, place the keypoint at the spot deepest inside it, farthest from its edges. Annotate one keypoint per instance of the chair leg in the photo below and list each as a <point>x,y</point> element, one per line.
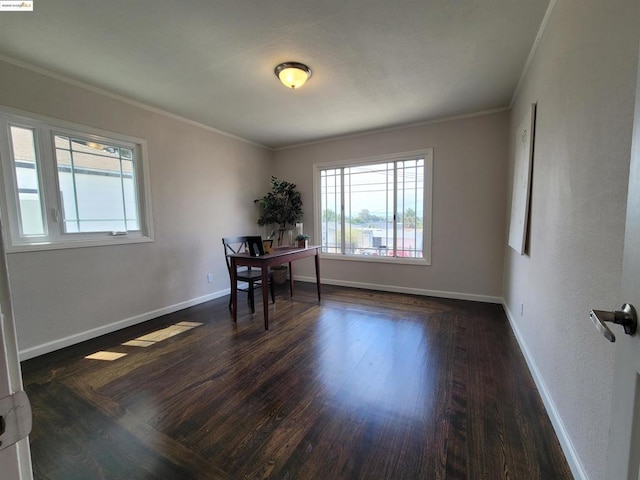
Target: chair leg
<point>251,301</point>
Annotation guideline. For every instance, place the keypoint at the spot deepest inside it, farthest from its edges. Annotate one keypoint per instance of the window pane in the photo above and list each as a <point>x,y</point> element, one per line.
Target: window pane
<point>29,202</point>
<point>368,209</point>
<point>331,211</point>
<point>97,186</point>
<point>410,201</point>
<point>62,142</point>
<point>129,190</point>
<point>382,209</point>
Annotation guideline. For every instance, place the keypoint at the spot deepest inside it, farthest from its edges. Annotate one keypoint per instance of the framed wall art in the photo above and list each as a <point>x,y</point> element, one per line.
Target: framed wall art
<point>522,170</point>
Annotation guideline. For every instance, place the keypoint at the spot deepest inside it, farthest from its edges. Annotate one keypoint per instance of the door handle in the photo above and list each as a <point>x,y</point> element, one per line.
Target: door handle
<point>626,317</point>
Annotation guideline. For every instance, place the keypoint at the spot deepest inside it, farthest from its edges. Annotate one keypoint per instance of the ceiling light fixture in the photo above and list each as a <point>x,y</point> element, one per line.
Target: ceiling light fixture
<point>293,74</point>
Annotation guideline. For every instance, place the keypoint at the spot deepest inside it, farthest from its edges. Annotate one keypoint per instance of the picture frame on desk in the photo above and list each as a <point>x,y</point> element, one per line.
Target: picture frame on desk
<point>267,245</point>
<point>254,244</point>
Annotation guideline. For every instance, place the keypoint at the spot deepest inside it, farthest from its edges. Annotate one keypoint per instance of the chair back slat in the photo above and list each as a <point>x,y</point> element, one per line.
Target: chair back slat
<point>233,245</point>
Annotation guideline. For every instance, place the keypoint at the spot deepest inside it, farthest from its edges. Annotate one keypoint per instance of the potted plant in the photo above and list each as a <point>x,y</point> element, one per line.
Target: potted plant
<point>281,206</point>
<point>303,240</point>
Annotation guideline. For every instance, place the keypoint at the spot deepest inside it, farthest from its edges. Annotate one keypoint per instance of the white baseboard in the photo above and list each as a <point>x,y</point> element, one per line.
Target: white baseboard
<point>566,444</point>
<point>49,347</point>
<point>413,291</point>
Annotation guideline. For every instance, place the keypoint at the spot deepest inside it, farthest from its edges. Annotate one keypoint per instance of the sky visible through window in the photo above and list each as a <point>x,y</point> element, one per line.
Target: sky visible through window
<point>371,187</point>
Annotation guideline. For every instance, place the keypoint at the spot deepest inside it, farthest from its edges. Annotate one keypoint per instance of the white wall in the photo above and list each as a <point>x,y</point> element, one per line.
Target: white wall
<point>582,78</point>
<point>469,198</point>
<point>200,192</point>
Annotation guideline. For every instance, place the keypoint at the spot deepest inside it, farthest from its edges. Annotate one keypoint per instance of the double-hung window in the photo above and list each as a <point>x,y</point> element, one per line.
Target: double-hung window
<point>376,209</point>
<point>66,185</point>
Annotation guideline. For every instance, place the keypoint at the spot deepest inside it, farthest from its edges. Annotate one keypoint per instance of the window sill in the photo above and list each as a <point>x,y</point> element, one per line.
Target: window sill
<point>375,259</point>
<point>35,247</point>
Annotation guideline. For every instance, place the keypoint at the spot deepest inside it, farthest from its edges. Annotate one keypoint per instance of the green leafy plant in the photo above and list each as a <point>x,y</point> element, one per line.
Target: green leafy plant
<point>281,206</point>
<point>303,240</point>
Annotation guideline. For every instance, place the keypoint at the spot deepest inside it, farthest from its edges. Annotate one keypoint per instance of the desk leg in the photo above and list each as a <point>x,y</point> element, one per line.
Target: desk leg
<point>290,279</point>
<point>318,273</point>
<point>234,290</point>
<point>265,296</point>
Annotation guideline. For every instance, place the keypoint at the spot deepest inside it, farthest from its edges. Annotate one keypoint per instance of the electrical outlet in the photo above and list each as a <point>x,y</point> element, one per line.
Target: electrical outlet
<point>209,277</point>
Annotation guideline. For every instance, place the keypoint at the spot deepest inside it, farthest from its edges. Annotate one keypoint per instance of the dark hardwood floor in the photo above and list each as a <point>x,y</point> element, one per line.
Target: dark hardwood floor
<point>364,385</point>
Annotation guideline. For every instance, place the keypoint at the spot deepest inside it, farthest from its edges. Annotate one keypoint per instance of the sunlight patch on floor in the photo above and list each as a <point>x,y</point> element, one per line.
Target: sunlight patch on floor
<point>189,324</point>
<point>168,332</point>
<point>147,340</point>
<point>139,343</point>
<point>162,334</point>
<point>108,356</point>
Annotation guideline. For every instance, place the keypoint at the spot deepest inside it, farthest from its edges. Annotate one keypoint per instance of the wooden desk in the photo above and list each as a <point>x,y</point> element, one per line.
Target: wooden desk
<point>278,257</point>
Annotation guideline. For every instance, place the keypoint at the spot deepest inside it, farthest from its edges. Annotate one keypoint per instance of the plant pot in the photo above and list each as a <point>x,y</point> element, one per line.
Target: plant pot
<point>303,243</point>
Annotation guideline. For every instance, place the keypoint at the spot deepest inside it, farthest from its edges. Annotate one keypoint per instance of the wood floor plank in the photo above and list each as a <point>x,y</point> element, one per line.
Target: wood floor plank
<point>162,444</point>
<point>85,444</point>
<point>363,385</point>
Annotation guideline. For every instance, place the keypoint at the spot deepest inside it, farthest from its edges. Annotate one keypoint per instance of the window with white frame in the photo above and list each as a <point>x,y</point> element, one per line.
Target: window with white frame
<point>377,209</point>
<point>67,185</point>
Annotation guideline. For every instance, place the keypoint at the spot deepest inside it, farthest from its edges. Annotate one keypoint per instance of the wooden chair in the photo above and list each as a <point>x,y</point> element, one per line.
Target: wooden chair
<point>252,277</point>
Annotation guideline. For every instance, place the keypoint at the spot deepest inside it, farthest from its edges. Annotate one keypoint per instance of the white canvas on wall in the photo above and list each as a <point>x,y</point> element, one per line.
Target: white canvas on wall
<point>522,182</point>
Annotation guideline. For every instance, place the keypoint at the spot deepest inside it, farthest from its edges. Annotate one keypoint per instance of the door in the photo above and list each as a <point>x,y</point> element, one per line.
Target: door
<point>623,459</point>
<point>15,461</point>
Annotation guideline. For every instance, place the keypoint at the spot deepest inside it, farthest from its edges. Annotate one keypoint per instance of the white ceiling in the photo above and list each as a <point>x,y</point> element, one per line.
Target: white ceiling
<point>376,63</point>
